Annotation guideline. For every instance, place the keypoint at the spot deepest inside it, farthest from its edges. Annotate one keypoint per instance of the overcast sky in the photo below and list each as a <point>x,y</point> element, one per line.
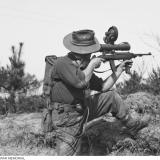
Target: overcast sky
<point>42,24</point>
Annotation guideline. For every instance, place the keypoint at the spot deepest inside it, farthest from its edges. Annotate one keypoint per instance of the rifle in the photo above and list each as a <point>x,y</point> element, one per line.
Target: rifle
<point>122,56</point>
<point>109,49</point>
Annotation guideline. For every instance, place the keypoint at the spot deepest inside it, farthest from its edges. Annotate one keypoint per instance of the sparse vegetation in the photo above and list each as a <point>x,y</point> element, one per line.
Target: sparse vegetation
<point>153,81</point>
<point>132,85</point>
<point>13,79</point>
<point>21,135</point>
<point>137,83</point>
<point>30,104</point>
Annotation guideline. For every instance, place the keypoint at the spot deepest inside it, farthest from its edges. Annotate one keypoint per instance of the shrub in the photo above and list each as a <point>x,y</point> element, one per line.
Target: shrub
<point>2,106</point>
<point>133,85</point>
<point>153,81</point>
<point>30,104</point>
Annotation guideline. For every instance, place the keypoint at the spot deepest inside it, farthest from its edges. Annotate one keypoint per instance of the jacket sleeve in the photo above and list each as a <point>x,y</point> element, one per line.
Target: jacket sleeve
<point>70,74</point>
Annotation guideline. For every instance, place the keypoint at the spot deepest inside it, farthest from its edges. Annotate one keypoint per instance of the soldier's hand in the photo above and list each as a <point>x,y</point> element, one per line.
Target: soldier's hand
<point>125,64</point>
<point>96,62</point>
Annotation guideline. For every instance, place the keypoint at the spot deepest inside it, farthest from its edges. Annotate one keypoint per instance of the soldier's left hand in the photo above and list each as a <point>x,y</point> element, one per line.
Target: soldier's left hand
<point>125,64</point>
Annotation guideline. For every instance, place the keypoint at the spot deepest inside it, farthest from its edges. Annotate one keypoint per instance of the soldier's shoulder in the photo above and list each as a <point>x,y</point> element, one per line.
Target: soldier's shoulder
<point>63,59</point>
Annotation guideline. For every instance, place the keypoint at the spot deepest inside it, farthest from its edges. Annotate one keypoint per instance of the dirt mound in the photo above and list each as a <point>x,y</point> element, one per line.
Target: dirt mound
<point>142,102</point>
<point>101,135</point>
<point>105,136</point>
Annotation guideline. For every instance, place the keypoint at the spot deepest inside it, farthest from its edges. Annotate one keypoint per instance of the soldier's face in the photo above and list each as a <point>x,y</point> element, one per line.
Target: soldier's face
<point>85,61</point>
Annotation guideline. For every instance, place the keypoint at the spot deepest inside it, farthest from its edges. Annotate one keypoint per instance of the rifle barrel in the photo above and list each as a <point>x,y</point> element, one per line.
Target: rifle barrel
<point>144,54</point>
<point>149,53</point>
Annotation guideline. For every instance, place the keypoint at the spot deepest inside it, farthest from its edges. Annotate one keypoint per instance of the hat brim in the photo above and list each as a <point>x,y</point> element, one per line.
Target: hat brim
<point>80,49</point>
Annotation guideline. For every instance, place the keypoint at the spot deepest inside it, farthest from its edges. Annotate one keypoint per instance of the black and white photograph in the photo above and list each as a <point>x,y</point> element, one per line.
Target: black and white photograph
<point>79,78</point>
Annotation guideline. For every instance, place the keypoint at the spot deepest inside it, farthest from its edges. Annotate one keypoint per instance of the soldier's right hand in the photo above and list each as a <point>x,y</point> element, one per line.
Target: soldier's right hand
<point>96,62</point>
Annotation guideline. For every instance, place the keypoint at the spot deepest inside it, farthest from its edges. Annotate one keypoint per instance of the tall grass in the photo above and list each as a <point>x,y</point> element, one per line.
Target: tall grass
<point>21,136</point>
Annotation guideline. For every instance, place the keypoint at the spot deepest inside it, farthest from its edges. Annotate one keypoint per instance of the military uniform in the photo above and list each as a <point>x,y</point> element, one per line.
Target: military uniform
<point>72,107</point>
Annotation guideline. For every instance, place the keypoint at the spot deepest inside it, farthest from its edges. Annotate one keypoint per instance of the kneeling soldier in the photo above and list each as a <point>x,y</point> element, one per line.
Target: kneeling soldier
<point>72,106</point>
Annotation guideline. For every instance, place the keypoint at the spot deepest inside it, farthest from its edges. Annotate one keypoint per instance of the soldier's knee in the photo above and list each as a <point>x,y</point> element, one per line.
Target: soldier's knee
<point>112,94</point>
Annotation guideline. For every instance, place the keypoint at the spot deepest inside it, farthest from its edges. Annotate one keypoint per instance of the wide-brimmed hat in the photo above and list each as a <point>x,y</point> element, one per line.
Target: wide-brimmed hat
<point>82,42</point>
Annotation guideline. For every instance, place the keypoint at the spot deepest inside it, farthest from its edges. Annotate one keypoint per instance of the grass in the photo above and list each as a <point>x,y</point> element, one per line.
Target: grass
<point>21,135</point>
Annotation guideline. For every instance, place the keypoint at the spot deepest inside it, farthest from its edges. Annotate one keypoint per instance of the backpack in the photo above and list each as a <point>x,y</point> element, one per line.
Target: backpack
<point>47,124</point>
<point>47,82</point>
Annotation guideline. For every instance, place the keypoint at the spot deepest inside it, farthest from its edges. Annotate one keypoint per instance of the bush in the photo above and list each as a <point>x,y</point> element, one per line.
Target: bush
<point>30,104</point>
<point>133,85</point>
<point>2,106</point>
<point>153,81</point>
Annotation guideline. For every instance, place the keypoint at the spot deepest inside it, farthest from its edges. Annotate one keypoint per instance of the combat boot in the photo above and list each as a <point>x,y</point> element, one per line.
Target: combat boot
<point>133,125</point>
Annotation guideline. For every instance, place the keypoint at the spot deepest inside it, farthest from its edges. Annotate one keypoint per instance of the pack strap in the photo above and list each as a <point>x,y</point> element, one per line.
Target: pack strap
<point>50,59</point>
